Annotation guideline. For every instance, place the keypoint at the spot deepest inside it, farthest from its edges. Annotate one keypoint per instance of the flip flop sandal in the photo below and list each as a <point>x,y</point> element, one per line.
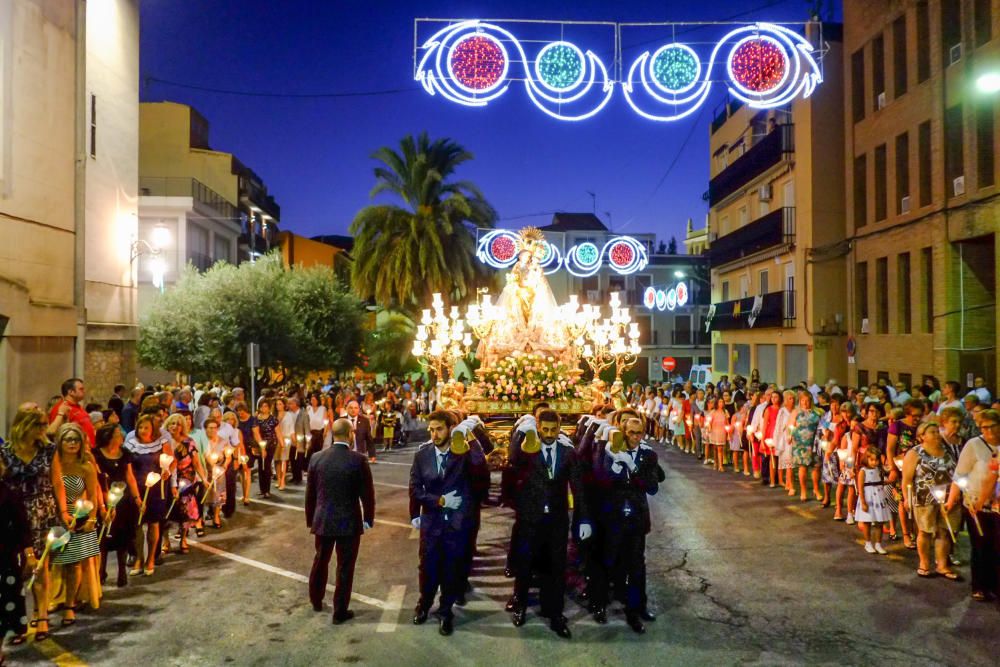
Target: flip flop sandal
<point>949,575</point>
<point>926,574</point>
<point>200,532</point>
<point>18,640</point>
<point>42,636</point>
<point>979,596</point>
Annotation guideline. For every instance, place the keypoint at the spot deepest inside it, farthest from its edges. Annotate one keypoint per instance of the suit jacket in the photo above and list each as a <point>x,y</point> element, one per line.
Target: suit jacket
<point>533,490</point>
<point>302,427</point>
<point>463,474</point>
<point>626,489</point>
<point>363,438</point>
<point>340,494</point>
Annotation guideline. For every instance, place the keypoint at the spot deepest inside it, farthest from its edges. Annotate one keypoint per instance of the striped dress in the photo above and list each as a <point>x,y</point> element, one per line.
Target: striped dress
<point>81,546</point>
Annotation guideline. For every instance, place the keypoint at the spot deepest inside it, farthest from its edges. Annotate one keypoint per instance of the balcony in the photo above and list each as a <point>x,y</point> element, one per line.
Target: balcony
<point>774,229</point>
<point>182,186</point>
<point>777,309</point>
<point>763,155</point>
<point>690,338</point>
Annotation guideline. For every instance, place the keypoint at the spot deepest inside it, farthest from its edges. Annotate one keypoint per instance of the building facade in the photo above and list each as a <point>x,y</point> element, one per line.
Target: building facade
<point>696,240</point>
<point>777,233</point>
<point>921,176</point>
<point>68,177</point>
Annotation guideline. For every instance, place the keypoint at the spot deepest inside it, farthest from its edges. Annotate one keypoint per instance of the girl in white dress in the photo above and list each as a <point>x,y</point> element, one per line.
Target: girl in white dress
<point>872,510</point>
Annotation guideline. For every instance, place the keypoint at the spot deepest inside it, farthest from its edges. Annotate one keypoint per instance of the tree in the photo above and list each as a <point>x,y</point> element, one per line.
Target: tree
<point>388,345</point>
<point>404,253</point>
<point>303,319</point>
<point>672,246</point>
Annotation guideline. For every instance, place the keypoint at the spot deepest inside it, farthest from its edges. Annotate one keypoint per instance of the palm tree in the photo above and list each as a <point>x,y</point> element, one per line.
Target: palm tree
<point>404,253</point>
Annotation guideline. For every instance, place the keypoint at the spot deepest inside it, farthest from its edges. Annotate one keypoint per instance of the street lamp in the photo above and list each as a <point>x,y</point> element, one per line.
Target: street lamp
<point>157,266</point>
<point>988,82</point>
<point>679,274</point>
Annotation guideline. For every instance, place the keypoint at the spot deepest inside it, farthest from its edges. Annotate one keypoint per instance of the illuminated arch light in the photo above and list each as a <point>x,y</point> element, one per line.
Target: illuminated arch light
<point>552,260</point>
<point>498,249</point>
<point>478,63</point>
<point>757,64</point>
<point>661,299</point>
<point>559,66</point>
<point>436,76</point>
<point>649,297</point>
<point>675,68</point>
<point>625,255</point>
<point>682,294</point>
<point>583,260</point>
<point>671,298</point>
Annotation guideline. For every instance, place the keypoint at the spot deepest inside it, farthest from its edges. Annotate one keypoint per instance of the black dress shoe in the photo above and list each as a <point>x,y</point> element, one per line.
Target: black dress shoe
<point>447,626</point>
<point>601,615</point>
<point>647,615</point>
<point>419,615</point>
<point>635,623</point>
<point>511,603</point>
<point>318,607</point>
<point>519,616</point>
<point>560,627</point>
<point>342,617</point>
<point>460,600</point>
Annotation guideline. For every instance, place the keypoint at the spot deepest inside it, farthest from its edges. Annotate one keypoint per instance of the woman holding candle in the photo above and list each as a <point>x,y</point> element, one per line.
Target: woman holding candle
<point>268,434</point>
<point>189,471</point>
<point>249,437</point>
<point>871,511</point>
<point>767,448</point>
<point>216,456</point>
<point>802,439</point>
<point>317,414</point>
<point>286,423</point>
<point>79,479</point>
<point>114,464</point>
<point>145,449</point>
<point>718,430</point>
<point>928,469</point>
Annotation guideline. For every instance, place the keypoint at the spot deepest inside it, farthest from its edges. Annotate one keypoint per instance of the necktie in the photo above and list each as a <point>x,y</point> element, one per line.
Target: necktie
<point>441,462</point>
<point>548,460</point>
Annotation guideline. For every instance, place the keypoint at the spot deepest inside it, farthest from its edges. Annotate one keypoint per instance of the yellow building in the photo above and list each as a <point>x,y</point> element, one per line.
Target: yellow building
<point>776,232</point>
<point>921,175</point>
<point>301,251</point>
<point>696,240</point>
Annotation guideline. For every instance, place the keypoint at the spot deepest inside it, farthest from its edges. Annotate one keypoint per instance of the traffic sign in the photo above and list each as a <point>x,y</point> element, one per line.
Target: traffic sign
<point>669,364</point>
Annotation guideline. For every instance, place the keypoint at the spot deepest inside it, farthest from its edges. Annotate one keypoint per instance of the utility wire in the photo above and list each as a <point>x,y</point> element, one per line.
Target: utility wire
<point>252,93</point>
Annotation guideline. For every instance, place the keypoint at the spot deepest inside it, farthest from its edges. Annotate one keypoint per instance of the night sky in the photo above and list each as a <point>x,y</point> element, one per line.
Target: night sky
<point>314,154</point>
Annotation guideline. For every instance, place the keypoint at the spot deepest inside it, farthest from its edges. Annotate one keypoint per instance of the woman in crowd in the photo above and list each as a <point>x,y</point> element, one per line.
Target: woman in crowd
<point>783,441</point>
<point>268,434</point>
<point>975,482</point>
<point>114,465</point>
<point>803,436</point>
<point>79,480</point>
<point>826,445</point>
<point>316,412</point>
<point>286,424</point>
<point>249,437</point>
<point>845,453</point>
<point>145,449</point>
<point>901,437</point>
<point>218,453</point>
<point>768,448</point>
<point>189,472</point>
<point>737,446</point>
<point>30,464</point>
<point>15,554</point>
<point>755,430</point>
<point>928,469</point>
<point>718,429</point>
<point>202,411</point>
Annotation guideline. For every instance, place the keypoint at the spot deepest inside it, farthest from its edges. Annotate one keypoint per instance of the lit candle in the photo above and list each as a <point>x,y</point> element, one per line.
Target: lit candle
<point>151,480</point>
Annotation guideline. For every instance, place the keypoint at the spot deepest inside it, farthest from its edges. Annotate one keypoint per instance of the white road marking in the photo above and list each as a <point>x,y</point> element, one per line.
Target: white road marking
<point>393,463</point>
<point>374,602</point>
<point>285,506</point>
<point>393,486</point>
<point>390,613</point>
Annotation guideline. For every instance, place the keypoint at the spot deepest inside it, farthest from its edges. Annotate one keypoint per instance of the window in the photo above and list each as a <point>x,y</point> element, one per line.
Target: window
<point>860,191</point>
<point>923,42</point>
<point>984,145</point>
<point>223,247</point>
<point>902,170</point>
<point>721,362</point>
<point>765,208</point>
<point>641,282</point>
<point>899,56</point>
<point>880,184</point>
<point>954,155</point>
<point>951,29</point>
<point>882,295</point>
<point>924,162</point>
<point>882,375</point>
<point>789,292</point>
<point>763,282</point>
<point>725,290</point>
<point>983,17</point>
<point>93,125</point>
<point>927,288</point>
<point>861,291</point>
<point>906,379</point>
<point>591,287</point>
<point>858,84</point>
<point>724,225</point>
<point>197,247</point>
<point>744,218</point>
<point>645,329</point>
<point>862,378</point>
<point>903,293</point>
<point>744,286</point>
<point>878,70</point>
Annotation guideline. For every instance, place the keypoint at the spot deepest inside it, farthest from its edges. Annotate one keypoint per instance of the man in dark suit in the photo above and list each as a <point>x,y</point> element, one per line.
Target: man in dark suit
<point>443,483</point>
<point>364,441</point>
<point>340,506</point>
<point>627,477</point>
<point>543,475</point>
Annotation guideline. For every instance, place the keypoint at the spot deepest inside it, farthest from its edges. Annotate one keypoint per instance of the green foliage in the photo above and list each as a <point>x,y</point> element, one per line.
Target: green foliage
<point>304,320</point>
<point>403,254</point>
<point>388,345</point>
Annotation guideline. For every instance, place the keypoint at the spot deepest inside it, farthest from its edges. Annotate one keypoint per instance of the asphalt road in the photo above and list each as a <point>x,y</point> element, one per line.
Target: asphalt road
<point>738,574</point>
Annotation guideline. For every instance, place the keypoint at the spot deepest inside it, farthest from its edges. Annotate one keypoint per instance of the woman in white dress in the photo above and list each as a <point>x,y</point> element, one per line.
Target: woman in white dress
<point>872,510</point>
<point>286,424</point>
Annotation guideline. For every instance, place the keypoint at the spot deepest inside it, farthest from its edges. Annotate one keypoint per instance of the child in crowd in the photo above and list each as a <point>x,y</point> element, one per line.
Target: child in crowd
<point>872,510</point>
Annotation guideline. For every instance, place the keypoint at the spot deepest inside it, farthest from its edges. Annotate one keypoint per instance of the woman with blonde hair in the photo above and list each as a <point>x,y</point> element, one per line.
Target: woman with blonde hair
<point>189,471</point>
<point>30,467</point>
<point>79,479</point>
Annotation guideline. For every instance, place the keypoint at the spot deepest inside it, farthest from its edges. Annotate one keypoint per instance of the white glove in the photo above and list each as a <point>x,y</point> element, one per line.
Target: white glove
<point>585,531</point>
<point>452,501</point>
<point>524,418</point>
<point>587,419</point>
<point>564,440</point>
<point>476,421</point>
<point>602,431</point>
<point>366,526</point>
<point>528,426</point>
<point>626,459</point>
<point>464,427</point>
<point>415,522</point>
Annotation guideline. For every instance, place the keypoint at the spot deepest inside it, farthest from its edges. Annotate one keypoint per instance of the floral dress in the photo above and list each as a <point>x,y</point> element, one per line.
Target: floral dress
<point>186,507</point>
<point>33,483</point>
<point>932,472</point>
<point>803,437</point>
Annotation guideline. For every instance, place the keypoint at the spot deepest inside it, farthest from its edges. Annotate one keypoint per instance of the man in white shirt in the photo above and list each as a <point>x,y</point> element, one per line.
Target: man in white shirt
<point>902,396</point>
<point>981,392</point>
<point>950,399</point>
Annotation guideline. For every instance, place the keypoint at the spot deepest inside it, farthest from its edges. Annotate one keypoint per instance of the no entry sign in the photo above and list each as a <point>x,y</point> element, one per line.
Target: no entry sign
<point>669,364</point>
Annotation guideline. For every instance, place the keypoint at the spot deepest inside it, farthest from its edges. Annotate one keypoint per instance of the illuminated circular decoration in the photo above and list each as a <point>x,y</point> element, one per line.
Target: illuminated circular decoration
<point>675,68</point>
<point>587,253</point>
<point>478,63</point>
<point>559,66</point>
<point>661,299</point>
<point>649,297</point>
<point>583,260</point>
<point>502,248</point>
<point>682,294</point>
<point>758,64</point>
<point>625,255</point>
<point>671,298</point>
<point>552,260</point>
<point>498,249</point>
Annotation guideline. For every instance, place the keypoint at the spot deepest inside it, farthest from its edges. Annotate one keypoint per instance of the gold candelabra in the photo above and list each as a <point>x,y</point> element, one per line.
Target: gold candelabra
<point>441,339</point>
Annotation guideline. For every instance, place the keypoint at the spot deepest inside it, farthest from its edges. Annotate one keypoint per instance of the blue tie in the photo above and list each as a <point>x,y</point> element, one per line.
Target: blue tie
<point>441,461</point>
<point>548,460</point>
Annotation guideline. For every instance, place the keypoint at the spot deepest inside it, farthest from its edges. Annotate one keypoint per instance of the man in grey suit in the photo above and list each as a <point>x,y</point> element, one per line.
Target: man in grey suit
<point>340,506</point>
<point>300,439</point>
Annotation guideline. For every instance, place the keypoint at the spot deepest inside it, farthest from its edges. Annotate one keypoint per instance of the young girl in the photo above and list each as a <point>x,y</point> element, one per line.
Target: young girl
<point>736,444</point>
<point>872,511</point>
<point>845,462</point>
<point>676,419</point>
<point>767,449</point>
<point>718,427</point>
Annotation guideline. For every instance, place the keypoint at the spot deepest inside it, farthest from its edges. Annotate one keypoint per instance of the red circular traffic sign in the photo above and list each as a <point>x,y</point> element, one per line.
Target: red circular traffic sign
<point>669,364</point>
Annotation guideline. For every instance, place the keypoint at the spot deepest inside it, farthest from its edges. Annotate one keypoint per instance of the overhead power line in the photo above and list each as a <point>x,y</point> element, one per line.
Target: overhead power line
<point>257,93</point>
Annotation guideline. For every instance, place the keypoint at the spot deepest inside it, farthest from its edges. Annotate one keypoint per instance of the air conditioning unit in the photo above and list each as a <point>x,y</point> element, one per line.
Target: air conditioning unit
<point>864,325</point>
<point>904,205</point>
<point>880,100</point>
<point>955,54</point>
<point>958,186</point>
<point>765,192</point>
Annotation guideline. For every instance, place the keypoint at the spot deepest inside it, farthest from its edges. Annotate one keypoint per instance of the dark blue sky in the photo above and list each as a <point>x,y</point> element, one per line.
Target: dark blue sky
<point>314,154</point>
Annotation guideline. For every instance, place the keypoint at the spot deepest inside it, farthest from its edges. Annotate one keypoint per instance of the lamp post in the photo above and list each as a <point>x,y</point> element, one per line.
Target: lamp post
<point>160,237</point>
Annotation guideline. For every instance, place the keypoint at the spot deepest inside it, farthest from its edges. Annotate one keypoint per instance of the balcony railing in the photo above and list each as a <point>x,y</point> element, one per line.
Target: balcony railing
<point>777,309</point>
<point>773,229</point>
<point>182,186</point>
<point>763,155</point>
<point>696,338</point>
